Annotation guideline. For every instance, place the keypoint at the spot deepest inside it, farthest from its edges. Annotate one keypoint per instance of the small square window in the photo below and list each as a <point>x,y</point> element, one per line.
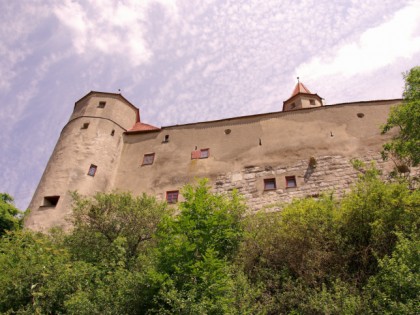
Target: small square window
<point>293,105</point>
<point>92,170</point>
<point>172,196</point>
<point>270,184</point>
<point>101,104</point>
<point>85,126</point>
<point>148,159</point>
<point>50,201</point>
<point>204,153</point>
<point>312,102</point>
<point>290,181</point>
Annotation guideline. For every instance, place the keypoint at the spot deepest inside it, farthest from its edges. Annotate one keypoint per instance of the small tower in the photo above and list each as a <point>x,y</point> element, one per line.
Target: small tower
<point>302,98</point>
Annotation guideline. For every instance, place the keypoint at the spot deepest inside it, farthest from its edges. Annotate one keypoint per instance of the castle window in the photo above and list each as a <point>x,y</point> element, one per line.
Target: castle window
<point>102,104</point>
<point>200,154</point>
<point>172,196</point>
<point>166,139</point>
<point>204,153</point>
<point>50,201</point>
<point>148,159</point>
<point>312,102</point>
<point>85,126</point>
<point>112,132</point>
<point>92,170</point>
<point>290,181</point>
<point>270,184</point>
<point>293,105</point>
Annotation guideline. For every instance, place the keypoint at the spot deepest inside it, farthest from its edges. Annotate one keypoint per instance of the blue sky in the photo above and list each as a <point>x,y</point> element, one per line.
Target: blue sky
<point>185,61</point>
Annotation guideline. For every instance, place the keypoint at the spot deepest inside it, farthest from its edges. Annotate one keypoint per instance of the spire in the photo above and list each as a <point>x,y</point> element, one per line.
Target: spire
<point>300,88</point>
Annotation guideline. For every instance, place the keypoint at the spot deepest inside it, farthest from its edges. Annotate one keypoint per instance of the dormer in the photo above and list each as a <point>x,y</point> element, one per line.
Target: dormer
<point>302,98</point>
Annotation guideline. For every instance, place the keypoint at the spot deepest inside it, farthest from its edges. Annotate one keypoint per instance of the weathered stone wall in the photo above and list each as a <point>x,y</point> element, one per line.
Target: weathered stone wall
<point>332,173</point>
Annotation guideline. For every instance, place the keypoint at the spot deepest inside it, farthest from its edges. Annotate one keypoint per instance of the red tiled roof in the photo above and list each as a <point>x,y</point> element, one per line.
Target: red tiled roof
<point>139,126</point>
<point>300,88</point>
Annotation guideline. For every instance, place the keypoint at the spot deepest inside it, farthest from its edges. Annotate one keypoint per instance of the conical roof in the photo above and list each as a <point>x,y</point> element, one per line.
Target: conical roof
<point>300,88</point>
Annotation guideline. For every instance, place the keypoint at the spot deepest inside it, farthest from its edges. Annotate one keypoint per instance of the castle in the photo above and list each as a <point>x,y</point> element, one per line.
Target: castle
<point>301,151</point>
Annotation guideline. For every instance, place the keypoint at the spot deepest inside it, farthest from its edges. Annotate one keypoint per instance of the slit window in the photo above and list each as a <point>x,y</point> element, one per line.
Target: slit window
<point>85,126</point>
<point>172,196</point>
<point>270,184</point>
<point>50,201</point>
<point>148,159</point>
<point>101,104</point>
<point>92,170</point>
<point>112,132</point>
<point>290,181</point>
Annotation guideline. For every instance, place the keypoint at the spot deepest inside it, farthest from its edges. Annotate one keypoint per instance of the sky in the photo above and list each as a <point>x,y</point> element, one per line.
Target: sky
<point>183,61</point>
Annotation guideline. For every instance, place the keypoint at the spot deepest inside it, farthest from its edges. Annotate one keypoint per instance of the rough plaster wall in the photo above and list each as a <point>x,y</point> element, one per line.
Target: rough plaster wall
<point>285,138</point>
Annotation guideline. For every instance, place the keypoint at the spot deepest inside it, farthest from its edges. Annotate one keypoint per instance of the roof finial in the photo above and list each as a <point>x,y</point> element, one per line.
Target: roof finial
<point>298,79</point>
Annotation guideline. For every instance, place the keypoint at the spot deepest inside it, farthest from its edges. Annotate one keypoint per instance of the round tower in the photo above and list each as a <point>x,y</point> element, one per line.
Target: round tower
<point>84,159</point>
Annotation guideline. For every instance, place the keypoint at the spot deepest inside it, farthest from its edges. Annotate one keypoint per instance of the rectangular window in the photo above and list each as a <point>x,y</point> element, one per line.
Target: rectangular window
<point>148,159</point>
<point>290,181</point>
<point>50,201</point>
<point>312,102</point>
<point>204,153</point>
<point>200,154</point>
<point>101,104</point>
<point>172,196</point>
<point>92,170</point>
<point>270,184</point>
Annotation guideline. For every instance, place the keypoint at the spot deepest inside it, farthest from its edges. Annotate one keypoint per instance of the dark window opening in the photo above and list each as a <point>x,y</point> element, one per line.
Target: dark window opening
<point>312,102</point>
<point>172,196</point>
<point>92,170</point>
<point>101,104</point>
<point>228,131</point>
<point>148,159</point>
<point>112,132</point>
<point>360,115</point>
<point>293,105</point>
<point>166,139</point>
<point>270,184</point>
<point>50,201</point>
<point>290,181</point>
<point>85,126</point>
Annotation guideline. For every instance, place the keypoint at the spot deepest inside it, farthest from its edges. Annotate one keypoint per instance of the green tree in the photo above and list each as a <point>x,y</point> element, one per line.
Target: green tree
<point>395,289</point>
<point>405,146</point>
<point>194,273</point>
<point>9,214</point>
<point>113,227</point>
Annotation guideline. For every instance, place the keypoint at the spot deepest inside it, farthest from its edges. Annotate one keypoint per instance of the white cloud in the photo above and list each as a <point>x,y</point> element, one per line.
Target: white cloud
<point>377,47</point>
<point>111,27</point>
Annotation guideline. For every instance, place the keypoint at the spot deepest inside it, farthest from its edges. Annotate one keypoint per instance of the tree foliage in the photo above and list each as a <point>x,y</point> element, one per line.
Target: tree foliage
<point>405,146</point>
<point>132,255</point>
<point>9,214</point>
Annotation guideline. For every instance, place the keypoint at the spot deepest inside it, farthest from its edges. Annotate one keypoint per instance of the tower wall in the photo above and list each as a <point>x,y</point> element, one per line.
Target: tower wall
<point>93,136</point>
